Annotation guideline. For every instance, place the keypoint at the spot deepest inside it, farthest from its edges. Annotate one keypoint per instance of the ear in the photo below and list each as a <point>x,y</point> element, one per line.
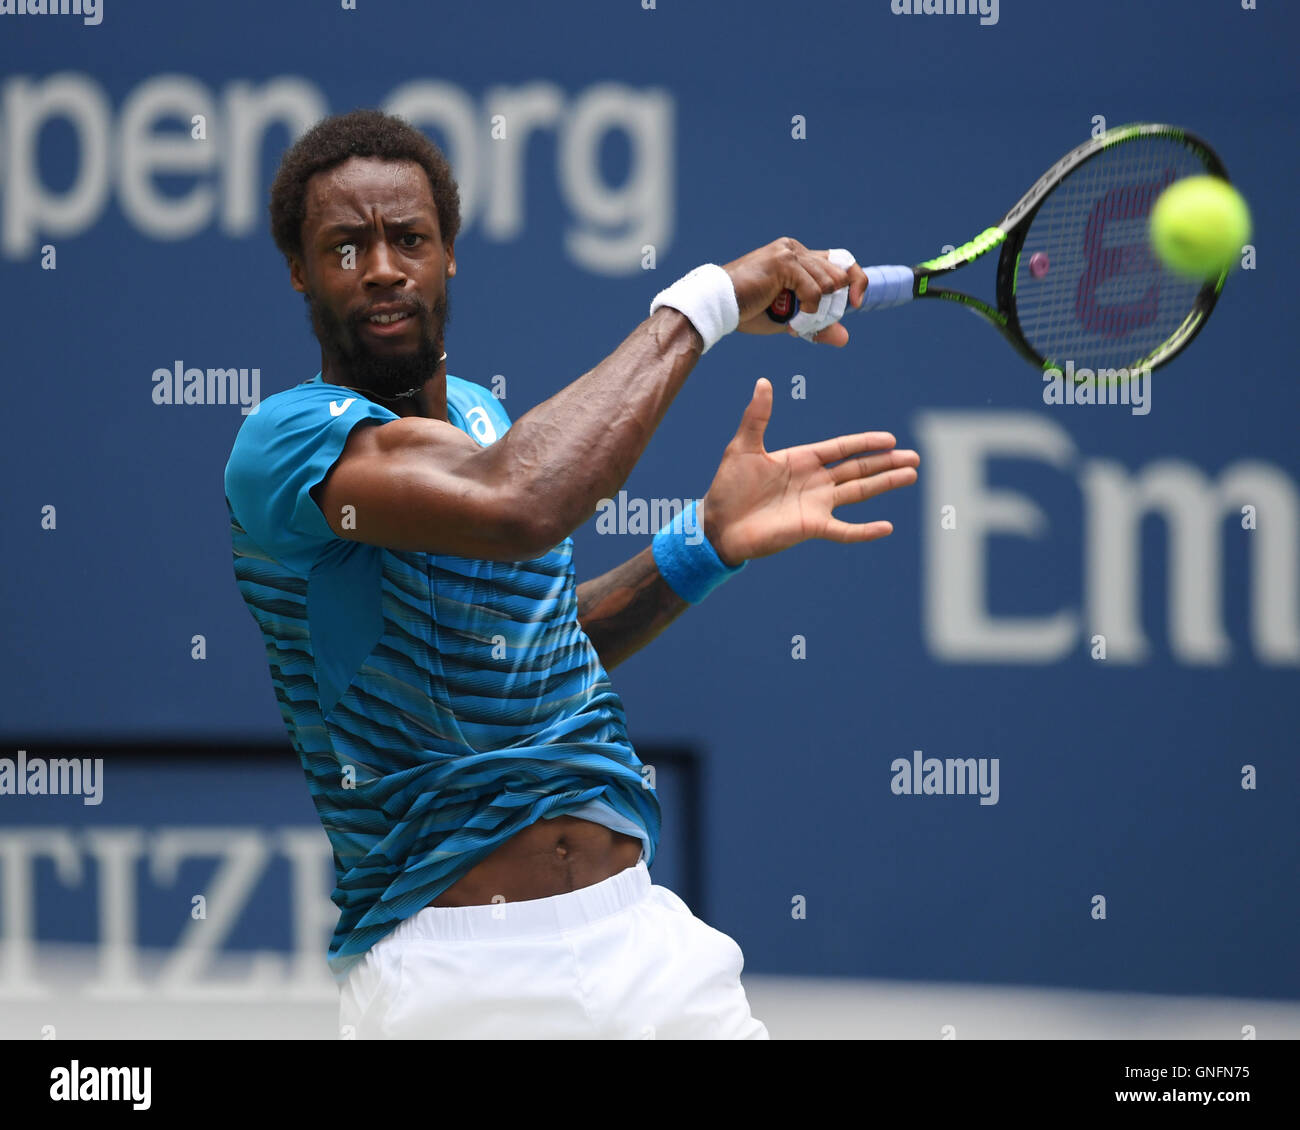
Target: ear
<point>449,249</point>
<point>297,276</point>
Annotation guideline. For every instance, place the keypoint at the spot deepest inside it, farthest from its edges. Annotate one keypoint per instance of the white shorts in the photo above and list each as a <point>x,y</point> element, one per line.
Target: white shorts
<point>623,959</point>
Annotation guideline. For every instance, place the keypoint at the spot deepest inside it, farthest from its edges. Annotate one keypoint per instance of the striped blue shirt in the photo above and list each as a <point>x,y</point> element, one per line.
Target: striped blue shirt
<point>439,704</point>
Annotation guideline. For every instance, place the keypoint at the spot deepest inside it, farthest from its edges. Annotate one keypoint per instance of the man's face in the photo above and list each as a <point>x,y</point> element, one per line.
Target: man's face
<point>371,247</point>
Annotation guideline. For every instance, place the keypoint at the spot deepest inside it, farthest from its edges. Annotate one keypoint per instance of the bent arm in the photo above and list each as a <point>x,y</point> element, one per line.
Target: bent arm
<point>623,610</point>
<point>421,484</point>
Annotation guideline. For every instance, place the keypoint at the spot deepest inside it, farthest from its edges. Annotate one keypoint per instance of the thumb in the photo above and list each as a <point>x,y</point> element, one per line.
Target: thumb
<point>753,424</point>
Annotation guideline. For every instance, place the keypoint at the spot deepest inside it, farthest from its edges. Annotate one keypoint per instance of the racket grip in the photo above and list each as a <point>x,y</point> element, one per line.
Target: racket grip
<point>886,286</point>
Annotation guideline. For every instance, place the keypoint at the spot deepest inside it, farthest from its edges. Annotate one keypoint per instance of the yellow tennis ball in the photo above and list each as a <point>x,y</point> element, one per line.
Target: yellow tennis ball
<point>1198,226</point>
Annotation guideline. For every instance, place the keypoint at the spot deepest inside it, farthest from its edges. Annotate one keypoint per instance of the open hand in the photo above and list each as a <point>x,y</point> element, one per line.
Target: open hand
<point>761,502</point>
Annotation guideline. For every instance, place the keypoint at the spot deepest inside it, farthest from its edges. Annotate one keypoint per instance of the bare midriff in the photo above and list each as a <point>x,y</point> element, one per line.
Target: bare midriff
<point>549,857</point>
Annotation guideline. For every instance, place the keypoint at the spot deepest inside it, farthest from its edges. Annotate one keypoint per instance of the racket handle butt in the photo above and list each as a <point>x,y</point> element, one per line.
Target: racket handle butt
<point>784,308</point>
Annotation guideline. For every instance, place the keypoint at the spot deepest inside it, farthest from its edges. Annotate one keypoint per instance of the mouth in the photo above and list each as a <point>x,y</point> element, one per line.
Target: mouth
<point>390,323</point>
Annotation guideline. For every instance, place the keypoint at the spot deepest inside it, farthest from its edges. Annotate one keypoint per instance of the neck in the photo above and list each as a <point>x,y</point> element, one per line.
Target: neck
<point>428,399</point>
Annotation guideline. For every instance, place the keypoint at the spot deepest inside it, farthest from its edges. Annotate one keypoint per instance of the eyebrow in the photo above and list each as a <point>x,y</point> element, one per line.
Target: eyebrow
<point>342,228</point>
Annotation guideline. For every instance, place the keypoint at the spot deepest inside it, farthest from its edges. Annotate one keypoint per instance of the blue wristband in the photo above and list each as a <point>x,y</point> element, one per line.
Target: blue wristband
<point>687,561</point>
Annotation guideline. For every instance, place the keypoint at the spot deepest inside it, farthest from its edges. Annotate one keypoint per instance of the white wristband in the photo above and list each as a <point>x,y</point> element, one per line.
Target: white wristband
<point>708,299</point>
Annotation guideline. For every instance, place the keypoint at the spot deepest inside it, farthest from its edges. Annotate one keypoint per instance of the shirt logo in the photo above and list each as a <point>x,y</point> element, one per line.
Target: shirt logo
<point>337,409</point>
<point>480,426</point>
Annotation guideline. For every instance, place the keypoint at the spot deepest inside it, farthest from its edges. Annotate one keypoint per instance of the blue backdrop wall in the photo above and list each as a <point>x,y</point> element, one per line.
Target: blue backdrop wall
<point>801,682</point>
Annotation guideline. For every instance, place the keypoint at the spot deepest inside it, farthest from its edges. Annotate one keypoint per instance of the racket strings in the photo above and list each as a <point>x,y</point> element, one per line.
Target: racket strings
<point>1097,295</point>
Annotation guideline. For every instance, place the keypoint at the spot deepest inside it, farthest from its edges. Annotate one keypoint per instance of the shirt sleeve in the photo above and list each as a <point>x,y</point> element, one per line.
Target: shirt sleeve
<point>282,451</point>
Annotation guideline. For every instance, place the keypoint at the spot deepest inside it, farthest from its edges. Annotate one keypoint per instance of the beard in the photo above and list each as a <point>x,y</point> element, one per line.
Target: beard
<point>388,377</point>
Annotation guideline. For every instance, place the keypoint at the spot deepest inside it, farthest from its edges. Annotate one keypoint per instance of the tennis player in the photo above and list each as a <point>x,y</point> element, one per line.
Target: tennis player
<point>405,551</point>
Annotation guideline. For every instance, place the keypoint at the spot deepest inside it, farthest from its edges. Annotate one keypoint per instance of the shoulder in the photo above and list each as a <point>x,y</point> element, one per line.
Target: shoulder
<point>311,399</point>
<point>300,425</point>
<point>312,405</point>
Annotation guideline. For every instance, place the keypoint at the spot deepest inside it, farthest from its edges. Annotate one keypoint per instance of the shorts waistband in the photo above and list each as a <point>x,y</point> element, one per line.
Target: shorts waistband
<point>532,917</point>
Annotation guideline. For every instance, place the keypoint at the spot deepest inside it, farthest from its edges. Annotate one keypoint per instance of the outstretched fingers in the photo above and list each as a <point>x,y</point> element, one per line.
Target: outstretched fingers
<point>842,447</point>
<point>859,490</point>
<point>848,532</point>
<point>864,466</point>
<point>754,420</point>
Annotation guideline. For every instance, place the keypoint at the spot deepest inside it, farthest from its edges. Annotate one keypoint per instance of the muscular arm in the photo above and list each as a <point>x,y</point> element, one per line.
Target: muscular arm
<point>623,610</point>
<point>422,484</point>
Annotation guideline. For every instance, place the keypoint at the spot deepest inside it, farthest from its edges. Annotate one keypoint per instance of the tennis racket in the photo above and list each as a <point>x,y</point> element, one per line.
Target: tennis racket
<point>1077,279</point>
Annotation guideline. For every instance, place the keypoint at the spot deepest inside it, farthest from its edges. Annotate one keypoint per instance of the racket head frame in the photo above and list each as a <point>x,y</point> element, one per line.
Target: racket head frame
<point>1011,232</point>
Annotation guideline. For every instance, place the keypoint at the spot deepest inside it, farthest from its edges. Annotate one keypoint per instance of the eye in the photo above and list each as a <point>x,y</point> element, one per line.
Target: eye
<point>412,235</point>
<point>343,248</point>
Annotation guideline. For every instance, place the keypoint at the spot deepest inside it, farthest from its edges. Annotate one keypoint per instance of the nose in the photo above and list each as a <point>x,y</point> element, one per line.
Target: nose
<point>383,268</point>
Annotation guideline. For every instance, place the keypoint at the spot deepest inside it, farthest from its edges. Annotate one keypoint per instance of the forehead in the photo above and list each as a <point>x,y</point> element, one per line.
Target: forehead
<point>354,190</point>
